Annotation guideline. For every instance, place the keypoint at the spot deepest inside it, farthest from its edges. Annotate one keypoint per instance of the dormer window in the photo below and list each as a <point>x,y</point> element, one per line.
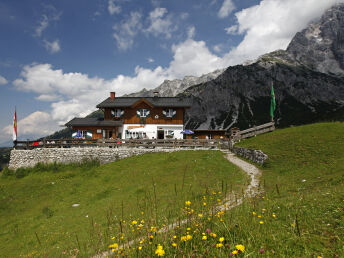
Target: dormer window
<point>143,112</point>
<point>117,113</point>
<point>169,112</point>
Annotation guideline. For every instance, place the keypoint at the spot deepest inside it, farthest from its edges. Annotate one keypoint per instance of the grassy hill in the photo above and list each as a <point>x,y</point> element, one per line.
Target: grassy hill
<point>299,213</point>
<point>304,184</point>
<point>37,217</point>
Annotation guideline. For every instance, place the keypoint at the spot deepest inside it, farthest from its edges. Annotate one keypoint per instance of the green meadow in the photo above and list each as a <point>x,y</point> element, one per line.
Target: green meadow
<point>37,217</point>
<point>299,213</point>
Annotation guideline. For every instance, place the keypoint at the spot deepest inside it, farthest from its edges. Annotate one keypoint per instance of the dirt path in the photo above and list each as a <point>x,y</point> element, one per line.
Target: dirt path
<point>232,200</point>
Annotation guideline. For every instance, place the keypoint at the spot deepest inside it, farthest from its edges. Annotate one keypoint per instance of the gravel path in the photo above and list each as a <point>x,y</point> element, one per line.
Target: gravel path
<point>232,200</point>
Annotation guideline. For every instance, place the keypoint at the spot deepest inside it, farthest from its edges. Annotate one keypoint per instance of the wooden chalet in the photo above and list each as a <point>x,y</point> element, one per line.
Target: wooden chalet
<point>135,118</point>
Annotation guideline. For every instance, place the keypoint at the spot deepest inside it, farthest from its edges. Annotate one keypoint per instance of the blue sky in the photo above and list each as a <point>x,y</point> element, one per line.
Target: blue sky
<point>58,59</point>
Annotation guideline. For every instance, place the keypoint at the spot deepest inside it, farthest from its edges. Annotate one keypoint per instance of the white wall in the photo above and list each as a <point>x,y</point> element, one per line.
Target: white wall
<point>152,129</point>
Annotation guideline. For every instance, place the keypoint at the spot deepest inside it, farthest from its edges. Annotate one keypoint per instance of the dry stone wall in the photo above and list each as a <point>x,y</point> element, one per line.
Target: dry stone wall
<point>29,158</point>
<point>256,156</point>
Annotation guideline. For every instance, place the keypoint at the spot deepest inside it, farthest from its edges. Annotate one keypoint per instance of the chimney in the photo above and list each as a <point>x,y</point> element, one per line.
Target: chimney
<point>156,94</point>
<point>112,95</point>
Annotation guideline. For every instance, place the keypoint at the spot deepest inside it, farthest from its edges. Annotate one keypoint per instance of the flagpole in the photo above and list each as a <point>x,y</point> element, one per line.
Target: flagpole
<point>15,134</point>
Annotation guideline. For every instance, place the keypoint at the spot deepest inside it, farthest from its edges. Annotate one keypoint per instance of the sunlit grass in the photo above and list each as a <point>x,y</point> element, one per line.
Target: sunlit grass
<point>37,217</point>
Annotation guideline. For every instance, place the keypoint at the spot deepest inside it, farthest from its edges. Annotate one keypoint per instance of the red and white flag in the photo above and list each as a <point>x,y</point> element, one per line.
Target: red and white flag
<point>15,126</point>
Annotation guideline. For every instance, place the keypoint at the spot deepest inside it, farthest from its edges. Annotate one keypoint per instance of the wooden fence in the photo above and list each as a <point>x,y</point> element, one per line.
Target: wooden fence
<point>118,143</point>
<point>269,127</point>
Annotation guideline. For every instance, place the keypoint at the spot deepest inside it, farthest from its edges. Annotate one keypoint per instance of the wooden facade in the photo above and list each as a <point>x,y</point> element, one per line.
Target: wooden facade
<point>129,117</point>
<point>156,116</point>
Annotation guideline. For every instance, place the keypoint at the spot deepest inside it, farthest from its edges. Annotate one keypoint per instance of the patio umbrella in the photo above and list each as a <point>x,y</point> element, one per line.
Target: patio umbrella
<point>187,132</point>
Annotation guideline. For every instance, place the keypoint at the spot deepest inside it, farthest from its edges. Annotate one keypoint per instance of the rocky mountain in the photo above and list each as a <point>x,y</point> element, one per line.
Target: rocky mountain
<point>320,46</point>
<point>307,79</point>
<point>171,88</point>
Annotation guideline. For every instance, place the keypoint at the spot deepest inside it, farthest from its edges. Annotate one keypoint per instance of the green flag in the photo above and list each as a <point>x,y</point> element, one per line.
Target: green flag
<point>273,103</point>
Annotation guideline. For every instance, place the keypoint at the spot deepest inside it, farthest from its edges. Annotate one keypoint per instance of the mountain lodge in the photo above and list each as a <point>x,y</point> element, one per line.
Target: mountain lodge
<point>135,117</point>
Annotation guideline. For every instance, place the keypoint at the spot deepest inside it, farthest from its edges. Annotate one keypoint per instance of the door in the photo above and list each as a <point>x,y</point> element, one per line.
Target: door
<point>161,134</point>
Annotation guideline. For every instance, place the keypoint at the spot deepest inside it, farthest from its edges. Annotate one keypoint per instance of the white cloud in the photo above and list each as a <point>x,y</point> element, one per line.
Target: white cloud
<point>160,23</point>
<point>232,29</point>
<point>43,24</point>
<point>218,48</point>
<point>192,58</point>
<point>3,80</point>
<point>33,126</point>
<point>126,31</point>
<point>53,47</point>
<point>50,15</point>
<point>191,32</point>
<point>150,60</point>
<point>113,8</point>
<point>226,8</point>
<point>271,25</point>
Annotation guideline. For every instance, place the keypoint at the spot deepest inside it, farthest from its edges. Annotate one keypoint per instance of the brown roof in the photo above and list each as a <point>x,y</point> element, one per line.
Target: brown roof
<point>119,102</point>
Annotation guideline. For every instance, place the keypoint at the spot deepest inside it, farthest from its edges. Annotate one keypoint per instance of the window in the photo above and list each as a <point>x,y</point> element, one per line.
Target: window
<point>169,112</point>
<point>117,112</point>
<point>143,112</point>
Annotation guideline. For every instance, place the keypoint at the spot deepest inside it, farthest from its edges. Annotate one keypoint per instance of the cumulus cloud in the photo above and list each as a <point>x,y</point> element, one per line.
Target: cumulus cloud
<point>113,7</point>
<point>160,23</point>
<point>126,31</point>
<point>150,60</point>
<point>226,8</point>
<point>53,47</point>
<point>271,25</point>
<point>3,80</point>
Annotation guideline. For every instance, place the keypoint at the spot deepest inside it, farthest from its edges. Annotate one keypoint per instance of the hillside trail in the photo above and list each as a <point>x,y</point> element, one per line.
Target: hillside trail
<point>232,200</point>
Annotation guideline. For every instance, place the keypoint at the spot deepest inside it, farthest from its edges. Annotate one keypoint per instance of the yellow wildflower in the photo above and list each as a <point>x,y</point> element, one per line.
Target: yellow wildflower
<point>274,215</point>
<point>151,236</point>
<point>200,215</point>
<point>188,229</point>
<point>219,245</point>
<point>204,237</point>
<point>134,222</point>
<point>174,237</point>
<point>222,239</point>
<point>235,252</point>
<point>174,244</point>
<point>188,237</point>
<point>114,246</point>
<point>253,213</point>
<point>261,222</point>
<point>140,247</point>
<point>160,251</point>
<point>259,216</point>
<point>204,204</point>
<point>240,248</point>
<point>183,238</point>
<point>187,203</point>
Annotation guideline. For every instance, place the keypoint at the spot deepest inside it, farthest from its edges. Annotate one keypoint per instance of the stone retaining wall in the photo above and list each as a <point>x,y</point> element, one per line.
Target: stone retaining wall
<point>256,156</point>
<point>29,158</point>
